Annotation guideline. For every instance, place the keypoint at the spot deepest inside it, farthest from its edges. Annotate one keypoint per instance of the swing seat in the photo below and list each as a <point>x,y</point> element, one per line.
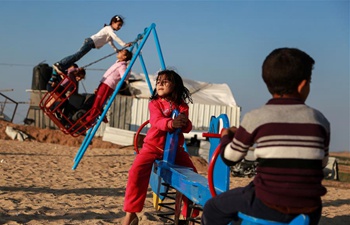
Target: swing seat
<point>54,98</point>
<point>52,103</point>
<point>249,220</point>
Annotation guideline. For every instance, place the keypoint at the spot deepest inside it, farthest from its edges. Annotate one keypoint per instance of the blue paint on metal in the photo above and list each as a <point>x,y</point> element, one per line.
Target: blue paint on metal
<point>171,141</point>
<point>193,185</point>
<point>91,133</point>
<point>160,54</point>
<point>220,169</point>
<point>249,220</point>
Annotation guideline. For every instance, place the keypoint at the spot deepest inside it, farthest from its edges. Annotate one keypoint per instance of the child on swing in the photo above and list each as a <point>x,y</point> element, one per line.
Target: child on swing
<point>169,94</point>
<point>74,73</point>
<point>98,40</point>
<point>107,86</point>
<point>66,82</point>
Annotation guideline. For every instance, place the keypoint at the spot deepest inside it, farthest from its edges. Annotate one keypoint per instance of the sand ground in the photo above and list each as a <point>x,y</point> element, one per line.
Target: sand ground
<point>38,185</point>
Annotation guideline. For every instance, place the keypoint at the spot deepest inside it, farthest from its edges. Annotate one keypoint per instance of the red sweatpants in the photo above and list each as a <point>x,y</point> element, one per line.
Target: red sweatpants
<point>102,94</point>
<point>140,172</point>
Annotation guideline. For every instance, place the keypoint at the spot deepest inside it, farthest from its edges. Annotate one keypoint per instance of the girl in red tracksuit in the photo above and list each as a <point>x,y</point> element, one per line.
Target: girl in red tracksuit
<point>169,94</point>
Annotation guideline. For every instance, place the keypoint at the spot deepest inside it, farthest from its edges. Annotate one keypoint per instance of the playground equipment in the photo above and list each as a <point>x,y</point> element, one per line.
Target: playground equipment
<point>172,181</point>
<point>52,102</point>
<point>142,38</point>
<point>167,176</point>
<point>249,220</point>
<point>52,105</point>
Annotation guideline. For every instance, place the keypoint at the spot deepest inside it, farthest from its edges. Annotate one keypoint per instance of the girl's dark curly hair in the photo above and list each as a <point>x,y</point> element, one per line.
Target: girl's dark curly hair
<point>180,93</point>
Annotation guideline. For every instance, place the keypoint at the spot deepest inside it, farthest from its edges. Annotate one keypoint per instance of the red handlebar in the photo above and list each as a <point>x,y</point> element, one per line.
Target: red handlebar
<point>137,136</point>
<point>211,171</point>
<point>211,135</point>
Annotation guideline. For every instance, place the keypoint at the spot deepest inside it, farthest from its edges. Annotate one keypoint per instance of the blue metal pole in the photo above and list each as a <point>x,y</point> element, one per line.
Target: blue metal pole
<point>80,149</point>
<point>144,69</point>
<point>146,73</point>
<point>161,58</point>
<point>86,142</point>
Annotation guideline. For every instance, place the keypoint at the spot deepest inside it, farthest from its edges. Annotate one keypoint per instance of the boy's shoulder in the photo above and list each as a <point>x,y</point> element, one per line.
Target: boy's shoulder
<point>287,108</point>
<point>286,112</point>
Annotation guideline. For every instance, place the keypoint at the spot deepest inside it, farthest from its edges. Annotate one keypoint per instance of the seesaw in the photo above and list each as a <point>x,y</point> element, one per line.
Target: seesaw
<point>198,189</point>
<point>166,175</point>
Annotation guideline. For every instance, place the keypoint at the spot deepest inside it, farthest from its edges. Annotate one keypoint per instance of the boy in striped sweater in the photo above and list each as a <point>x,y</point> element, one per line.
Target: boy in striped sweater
<point>291,146</point>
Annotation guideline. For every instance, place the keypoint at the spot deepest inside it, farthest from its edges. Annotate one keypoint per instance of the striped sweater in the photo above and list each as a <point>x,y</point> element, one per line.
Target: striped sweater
<point>291,146</point>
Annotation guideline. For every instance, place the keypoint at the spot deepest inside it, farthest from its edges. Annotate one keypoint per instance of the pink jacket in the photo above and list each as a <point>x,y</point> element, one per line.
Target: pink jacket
<point>114,74</point>
<point>161,121</point>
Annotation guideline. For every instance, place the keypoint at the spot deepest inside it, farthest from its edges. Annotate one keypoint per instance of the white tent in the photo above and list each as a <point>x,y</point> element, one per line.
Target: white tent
<point>208,100</point>
<point>201,92</point>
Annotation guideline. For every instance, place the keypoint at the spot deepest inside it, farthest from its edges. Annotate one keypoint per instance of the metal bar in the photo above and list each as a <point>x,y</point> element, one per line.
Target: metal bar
<point>146,74</point>
<point>160,54</point>
<point>3,106</point>
<point>89,137</point>
<point>4,90</point>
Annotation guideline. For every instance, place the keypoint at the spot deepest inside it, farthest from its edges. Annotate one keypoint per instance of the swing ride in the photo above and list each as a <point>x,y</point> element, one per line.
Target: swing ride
<point>53,104</point>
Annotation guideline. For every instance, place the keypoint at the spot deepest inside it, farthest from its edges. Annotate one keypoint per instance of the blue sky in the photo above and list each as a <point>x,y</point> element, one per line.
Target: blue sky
<point>210,41</point>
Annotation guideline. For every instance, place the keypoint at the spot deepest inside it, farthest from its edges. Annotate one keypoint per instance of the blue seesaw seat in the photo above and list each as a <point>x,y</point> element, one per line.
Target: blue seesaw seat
<point>249,220</point>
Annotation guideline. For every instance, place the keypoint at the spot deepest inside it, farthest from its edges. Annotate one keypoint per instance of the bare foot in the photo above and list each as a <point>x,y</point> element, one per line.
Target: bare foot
<point>131,219</point>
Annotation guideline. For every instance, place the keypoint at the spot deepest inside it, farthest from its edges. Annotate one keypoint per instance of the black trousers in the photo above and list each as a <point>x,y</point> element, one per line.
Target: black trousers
<point>224,208</point>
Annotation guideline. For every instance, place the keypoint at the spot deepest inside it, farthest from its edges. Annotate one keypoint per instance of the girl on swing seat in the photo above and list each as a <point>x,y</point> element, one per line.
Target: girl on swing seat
<point>106,88</point>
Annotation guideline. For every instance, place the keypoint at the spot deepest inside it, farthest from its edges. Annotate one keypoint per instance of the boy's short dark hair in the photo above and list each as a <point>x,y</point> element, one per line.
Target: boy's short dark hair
<point>284,68</point>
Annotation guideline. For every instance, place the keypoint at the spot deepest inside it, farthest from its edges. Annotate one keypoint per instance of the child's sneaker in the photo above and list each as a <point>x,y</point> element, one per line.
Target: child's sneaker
<point>58,115</point>
<point>80,113</point>
<point>57,67</point>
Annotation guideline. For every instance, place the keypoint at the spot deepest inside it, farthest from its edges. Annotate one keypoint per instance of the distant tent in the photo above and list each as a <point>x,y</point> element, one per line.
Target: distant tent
<point>202,92</point>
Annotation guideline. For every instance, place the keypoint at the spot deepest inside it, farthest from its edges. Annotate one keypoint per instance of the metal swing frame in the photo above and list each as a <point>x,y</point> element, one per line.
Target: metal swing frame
<point>142,38</point>
<point>52,102</point>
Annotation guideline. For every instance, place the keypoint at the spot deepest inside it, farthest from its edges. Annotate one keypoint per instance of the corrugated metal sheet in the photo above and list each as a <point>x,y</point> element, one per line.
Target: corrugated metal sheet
<point>139,113</point>
<point>199,114</point>
<point>130,113</point>
<point>120,113</point>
